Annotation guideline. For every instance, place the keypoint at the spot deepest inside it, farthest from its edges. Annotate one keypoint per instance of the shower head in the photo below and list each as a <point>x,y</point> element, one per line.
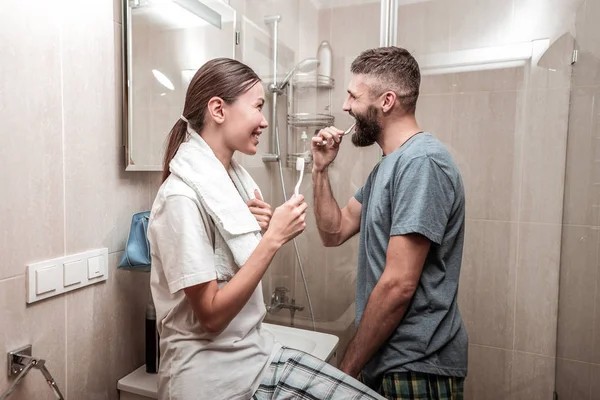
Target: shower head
<point>306,65</point>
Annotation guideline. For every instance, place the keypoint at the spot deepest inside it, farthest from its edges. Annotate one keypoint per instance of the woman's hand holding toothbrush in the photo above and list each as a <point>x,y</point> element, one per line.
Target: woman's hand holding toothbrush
<point>289,220</point>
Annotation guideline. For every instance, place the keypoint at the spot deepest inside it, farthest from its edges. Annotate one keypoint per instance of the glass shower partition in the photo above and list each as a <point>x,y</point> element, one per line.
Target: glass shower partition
<point>312,100</point>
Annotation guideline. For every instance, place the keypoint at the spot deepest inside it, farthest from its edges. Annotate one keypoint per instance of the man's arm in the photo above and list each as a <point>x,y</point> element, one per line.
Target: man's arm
<point>389,300</point>
<point>335,225</point>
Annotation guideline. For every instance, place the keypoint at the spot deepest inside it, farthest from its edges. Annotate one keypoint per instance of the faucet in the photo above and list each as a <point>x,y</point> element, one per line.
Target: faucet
<point>280,299</point>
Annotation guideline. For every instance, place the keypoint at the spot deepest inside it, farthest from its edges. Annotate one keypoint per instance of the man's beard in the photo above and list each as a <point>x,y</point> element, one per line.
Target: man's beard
<point>368,129</point>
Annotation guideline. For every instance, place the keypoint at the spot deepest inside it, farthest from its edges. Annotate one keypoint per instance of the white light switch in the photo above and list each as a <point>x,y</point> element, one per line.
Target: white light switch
<point>74,272</point>
<point>95,267</point>
<point>53,277</point>
<point>47,280</point>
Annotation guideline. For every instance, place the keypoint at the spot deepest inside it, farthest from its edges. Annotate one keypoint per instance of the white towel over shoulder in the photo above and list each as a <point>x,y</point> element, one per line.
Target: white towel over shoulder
<point>224,195</point>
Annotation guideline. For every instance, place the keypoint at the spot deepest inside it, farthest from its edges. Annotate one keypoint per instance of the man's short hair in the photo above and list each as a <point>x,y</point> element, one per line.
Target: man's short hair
<point>394,69</point>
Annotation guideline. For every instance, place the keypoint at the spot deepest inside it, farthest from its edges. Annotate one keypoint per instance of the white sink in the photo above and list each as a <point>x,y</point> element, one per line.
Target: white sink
<point>140,385</point>
<point>320,345</point>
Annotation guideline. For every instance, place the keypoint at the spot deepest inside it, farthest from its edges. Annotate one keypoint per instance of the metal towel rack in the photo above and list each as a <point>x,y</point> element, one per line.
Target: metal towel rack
<point>20,362</point>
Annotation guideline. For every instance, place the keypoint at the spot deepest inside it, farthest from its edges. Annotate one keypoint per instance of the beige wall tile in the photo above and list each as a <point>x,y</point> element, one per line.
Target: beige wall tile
<point>490,372</point>
<point>423,27</point>
<point>485,146</point>
<point>573,380</point>
<point>106,341</point>
<point>43,326</point>
<point>487,284</point>
<point>532,377</point>
<point>99,196</point>
<point>578,276</point>
<point>32,211</point>
<point>582,196</point>
<point>544,154</point>
<point>437,84</point>
<point>476,23</point>
<point>595,382</point>
<point>434,114</point>
<point>500,80</point>
<point>537,288</point>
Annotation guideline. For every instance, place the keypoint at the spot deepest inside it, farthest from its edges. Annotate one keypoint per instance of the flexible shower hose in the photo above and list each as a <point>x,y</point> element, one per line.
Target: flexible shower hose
<point>312,315</point>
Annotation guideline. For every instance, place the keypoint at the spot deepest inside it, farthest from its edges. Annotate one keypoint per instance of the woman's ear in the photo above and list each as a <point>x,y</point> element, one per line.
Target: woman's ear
<point>215,110</point>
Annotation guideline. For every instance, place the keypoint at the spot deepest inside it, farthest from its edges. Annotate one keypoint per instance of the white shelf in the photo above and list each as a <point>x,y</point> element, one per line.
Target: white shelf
<point>310,120</point>
<point>310,81</point>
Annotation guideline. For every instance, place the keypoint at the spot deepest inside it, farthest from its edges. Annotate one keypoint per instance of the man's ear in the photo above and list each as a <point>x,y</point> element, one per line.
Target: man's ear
<point>215,110</point>
<point>388,101</point>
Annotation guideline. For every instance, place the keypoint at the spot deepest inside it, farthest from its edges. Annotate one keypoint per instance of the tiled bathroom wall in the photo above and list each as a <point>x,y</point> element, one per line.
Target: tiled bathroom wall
<point>64,190</point>
<point>507,130</point>
<point>578,347</point>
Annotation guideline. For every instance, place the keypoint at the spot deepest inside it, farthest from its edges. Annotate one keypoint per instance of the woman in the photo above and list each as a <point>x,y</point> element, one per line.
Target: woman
<point>205,224</point>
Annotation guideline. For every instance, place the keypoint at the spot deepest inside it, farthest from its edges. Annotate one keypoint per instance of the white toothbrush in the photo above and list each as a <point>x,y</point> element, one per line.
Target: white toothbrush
<point>299,168</point>
<point>342,134</point>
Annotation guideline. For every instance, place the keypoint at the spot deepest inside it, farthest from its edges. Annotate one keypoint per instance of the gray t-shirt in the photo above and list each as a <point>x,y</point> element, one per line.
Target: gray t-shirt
<point>416,189</point>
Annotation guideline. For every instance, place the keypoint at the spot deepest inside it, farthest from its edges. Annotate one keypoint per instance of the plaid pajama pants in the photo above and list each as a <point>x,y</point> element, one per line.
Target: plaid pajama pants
<point>294,374</point>
<point>418,386</point>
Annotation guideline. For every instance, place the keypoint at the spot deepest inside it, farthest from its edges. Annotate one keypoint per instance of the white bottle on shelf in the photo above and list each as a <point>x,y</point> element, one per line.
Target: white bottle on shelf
<point>325,58</point>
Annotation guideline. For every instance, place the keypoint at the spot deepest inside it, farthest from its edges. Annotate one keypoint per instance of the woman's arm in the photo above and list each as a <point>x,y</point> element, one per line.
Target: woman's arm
<point>216,308</point>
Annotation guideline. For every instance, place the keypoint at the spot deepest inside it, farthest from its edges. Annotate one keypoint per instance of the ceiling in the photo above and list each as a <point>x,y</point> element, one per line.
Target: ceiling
<point>321,4</point>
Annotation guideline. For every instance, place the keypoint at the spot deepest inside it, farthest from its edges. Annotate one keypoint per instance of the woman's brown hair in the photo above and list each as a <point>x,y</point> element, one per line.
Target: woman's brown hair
<point>222,77</point>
